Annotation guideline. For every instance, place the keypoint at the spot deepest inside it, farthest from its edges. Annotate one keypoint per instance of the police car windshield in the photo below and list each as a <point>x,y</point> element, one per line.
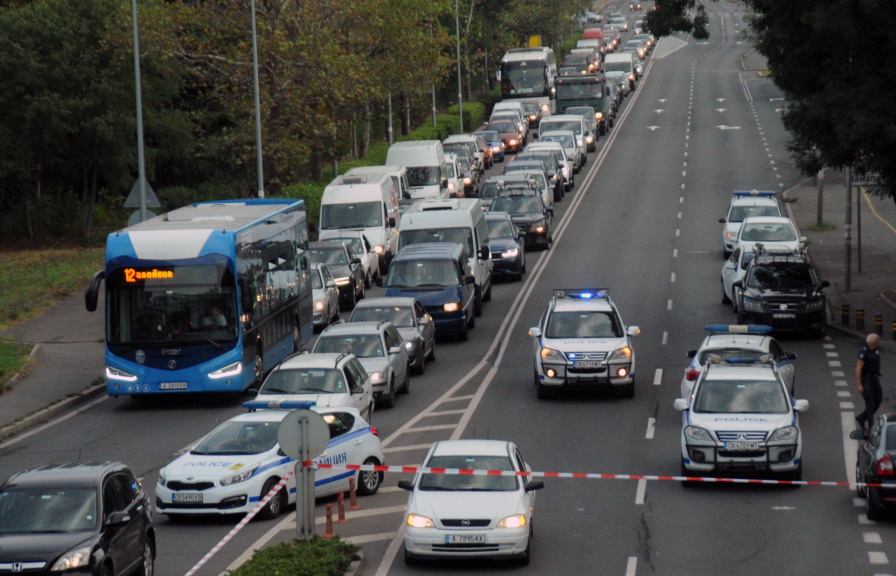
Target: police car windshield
<point>361,345</point>
<point>29,510</point>
<point>740,397</point>
<point>395,314</point>
<point>304,381</point>
<point>239,438</point>
<point>583,324</point>
<point>784,275</point>
<point>466,482</point>
<point>738,213</point>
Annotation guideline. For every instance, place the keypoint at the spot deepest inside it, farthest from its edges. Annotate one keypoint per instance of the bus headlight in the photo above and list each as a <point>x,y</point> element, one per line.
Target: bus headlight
<point>227,371</point>
<point>116,374</point>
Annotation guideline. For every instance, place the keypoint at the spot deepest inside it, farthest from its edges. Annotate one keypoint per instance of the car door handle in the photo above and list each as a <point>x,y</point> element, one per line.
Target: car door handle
<point>357,442</point>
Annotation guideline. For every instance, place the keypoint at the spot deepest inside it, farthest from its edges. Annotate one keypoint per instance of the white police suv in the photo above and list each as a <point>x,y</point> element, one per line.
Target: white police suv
<point>581,341</point>
<point>740,420</point>
<point>233,467</point>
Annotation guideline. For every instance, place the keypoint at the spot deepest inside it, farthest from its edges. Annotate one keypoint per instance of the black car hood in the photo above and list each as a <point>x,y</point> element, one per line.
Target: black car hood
<point>37,547</point>
<point>502,244</point>
<point>526,218</point>
<point>339,270</point>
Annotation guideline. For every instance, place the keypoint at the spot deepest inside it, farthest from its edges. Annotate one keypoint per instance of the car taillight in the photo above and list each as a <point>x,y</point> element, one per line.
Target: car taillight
<point>885,466</point>
<point>692,375</point>
<point>374,431</point>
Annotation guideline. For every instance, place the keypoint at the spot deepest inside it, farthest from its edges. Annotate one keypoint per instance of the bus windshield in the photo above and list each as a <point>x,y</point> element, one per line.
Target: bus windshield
<point>524,78</point>
<point>172,303</point>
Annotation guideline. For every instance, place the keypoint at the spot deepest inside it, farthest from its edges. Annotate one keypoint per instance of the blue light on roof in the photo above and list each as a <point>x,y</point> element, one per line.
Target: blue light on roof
<point>275,405</point>
<point>762,193</point>
<point>581,293</point>
<point>740,360</point>
<point>739,328</point>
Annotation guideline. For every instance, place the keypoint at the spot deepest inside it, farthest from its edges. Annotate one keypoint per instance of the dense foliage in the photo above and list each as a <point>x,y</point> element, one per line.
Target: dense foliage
<point>68,145</point>
<point>824,55</point>
<point>318,557</point>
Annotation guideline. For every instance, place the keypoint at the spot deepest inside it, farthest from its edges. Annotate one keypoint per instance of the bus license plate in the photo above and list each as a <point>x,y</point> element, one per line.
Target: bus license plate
<point>188,497</point>
<point>465,539</point>
<point>741,446</point>
<point>173,386</point>
<point>588,364</point>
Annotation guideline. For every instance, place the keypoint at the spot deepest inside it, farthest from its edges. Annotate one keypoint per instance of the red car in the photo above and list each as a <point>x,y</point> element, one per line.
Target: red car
<point>510,134</point>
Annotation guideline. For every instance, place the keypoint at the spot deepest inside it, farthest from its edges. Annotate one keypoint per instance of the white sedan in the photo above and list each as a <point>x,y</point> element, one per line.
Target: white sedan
<point>232,468</point>
<point>470,515</point>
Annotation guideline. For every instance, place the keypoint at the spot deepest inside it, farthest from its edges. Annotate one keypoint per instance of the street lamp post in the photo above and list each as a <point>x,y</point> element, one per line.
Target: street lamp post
<point>260,170</point>
<point>141,161</point>
<point>460,102</point>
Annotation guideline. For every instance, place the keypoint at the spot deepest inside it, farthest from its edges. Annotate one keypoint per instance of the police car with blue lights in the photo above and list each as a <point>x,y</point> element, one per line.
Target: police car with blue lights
<point>741,420</point>
<point>581,341</point>
<point>738,341</point>
<point>232,468</point>
<point>746,203</point>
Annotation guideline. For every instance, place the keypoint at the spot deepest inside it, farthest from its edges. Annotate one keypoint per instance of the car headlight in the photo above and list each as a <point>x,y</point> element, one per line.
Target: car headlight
<point>623,353</point>
<point>512,253</point>
<point>410,345</point>
<point>551,354</point>
<point>751,305</point>
<point>452,306</point>
<point>533,118</point>
<point>815,305</point>
<point>318,305</point>
<point>786,434</point>
<point>376,377</point>
<point>76,558</point>
<point>514,142</point>
<point>631,76</point>
<point>116,374</point>
<point>565,172</point>
<point>579,141</point>
<point>379,249</point>
<point>227,371</point>
<point>515,521</point>
<point>545,108</point>
<point>342,281</point>
<point>698,434</point>
<point>240,476</point>
<point>418,521</point>
<point>451,185</point>
<point>599,115</point>
<point>589,139</point>
<point>468,181</point>
<point>161,481</point>
<point>496,148</point>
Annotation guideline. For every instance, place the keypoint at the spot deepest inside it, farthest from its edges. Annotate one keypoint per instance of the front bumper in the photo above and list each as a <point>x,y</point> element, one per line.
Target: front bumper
<point>775,458</point>
<point>433,543</point>
<point>238,498</point>
<point>564,375</point>
<point>787,321</point>
<point>507,266</point>
<point>448,323</point>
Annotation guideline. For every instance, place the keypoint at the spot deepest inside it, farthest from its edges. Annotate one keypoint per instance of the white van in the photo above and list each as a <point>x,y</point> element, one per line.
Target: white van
<point>399,175</point>
<point>425,163</point>
<point>621,62</point>
<point>458,220</point>
<point>368,204</point>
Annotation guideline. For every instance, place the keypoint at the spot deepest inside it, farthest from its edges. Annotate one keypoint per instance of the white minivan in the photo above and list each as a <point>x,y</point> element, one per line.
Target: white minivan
<point>368,204</point>
<point>399,175</point>
<point>459,220</point>
<point>425,163</point>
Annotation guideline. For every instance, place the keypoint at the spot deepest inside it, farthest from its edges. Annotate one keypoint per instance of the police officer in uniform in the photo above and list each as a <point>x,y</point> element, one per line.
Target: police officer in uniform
<point>868,378</point>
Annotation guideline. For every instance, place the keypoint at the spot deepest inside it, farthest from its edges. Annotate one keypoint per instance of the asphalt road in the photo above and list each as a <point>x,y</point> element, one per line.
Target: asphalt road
<point>642,222</point>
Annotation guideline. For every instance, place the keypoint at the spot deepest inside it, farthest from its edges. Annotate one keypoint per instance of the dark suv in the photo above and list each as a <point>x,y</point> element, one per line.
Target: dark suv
<point>84,518</point>
<point>781,290</point>
<point>346,268</point>
<point>874,466</point>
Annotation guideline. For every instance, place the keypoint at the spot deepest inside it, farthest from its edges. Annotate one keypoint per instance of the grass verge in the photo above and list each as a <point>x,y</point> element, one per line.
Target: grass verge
<point>13,357</point>
<point>318,557</point>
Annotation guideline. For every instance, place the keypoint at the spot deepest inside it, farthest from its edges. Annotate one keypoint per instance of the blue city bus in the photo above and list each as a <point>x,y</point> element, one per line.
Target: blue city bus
<point>205,298</point>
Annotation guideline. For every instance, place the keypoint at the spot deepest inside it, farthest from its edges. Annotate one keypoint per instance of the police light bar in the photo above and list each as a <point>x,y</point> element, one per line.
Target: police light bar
<point>277,405</point>
<point>580,293</point>
<point>739,328</point>
<point>762,193</point>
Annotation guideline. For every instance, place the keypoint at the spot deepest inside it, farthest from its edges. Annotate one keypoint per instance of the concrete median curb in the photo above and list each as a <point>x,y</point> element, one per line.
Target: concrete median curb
<point>18,375</point>
<point>52,411</point>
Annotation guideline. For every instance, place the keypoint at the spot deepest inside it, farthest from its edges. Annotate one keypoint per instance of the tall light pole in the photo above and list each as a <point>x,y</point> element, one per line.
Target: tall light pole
<point>141,161</point>
<point>460,101</point>
<point>257,107</point>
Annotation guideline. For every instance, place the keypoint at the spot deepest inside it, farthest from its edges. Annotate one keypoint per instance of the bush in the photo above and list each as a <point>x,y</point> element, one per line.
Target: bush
<point>319,557</point>
<point>474,114</point>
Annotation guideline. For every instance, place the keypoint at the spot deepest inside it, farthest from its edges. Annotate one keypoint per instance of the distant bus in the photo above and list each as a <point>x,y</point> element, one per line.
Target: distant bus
<point>529,74</point>
<point>205,298</point>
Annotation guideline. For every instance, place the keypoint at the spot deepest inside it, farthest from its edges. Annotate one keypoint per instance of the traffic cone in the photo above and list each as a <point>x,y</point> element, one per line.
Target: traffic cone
<point>329,532</point>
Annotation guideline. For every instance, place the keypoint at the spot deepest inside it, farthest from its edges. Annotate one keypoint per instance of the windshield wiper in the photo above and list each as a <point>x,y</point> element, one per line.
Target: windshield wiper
<point>312,390</point>
<point>274,391</point>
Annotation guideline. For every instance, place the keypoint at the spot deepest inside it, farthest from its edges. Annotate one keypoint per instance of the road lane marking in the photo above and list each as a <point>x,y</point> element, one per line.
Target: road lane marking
<point>640,492</point>
<point>632,567</point>
<point>657,378</point>
<point>651,429</point>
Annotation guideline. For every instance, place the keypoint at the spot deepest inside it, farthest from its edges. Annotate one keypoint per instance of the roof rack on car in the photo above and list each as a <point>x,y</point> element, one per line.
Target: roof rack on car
<point>759,249</point>
<point>581,293</point>
<point>738,328</point>
<point>763,193</point>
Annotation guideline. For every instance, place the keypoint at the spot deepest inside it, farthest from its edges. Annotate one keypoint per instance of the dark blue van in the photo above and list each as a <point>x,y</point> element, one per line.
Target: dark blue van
<point>438,275</point>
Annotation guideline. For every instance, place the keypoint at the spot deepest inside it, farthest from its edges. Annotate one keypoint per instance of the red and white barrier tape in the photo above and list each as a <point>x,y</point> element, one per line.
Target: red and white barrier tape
<point>588,475</point>
<point>251,514</point>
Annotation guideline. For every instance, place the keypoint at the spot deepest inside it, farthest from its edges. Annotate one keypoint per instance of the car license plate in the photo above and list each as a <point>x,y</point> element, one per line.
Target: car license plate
<point>588,364</point>
<point>187,497</point>
<point>784,316</point>
<point>465,539</point>
<point>741,446</point>
<point>173,386</point>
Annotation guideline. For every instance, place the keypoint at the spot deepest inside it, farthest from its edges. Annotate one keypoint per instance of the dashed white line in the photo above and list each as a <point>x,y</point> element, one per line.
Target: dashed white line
<point>673,278</point>
<point>872,538</point>
<point>669,304</point>
<point>632,567</point>
<point>640,492</point>
<point>657,380</point>
<point>878,557</point>
<point>665,338</point>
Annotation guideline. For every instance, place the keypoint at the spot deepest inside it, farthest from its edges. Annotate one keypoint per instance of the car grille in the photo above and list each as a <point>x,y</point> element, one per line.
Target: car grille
<point>748,436</point>
<point>175,485</point>
<point>465,547</point>
<point>783,306</point>
<point>576,356</point>
<point>470,523</point>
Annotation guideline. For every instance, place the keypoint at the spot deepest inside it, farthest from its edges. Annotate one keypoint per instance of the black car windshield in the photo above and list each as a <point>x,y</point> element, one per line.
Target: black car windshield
<point>397,315</point>
<point>361,345</point>
<point>784,275</point>
<point>740,397</point>
<point>422,274</point>
<point>356,215</point>
<point>738,213</point>
<point>31,510</point>
<point>304,381</point>
<point>583,324</point>
<point>330,256</point>
<point>236,437</point>
<point>518,204</point>
<point>469,482</point>
<point>501,229</point>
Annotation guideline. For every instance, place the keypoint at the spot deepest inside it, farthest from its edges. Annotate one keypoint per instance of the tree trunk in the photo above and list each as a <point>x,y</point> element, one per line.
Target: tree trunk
<point>364,145</point>
<point>88,200</point>
<point>404,103</point>
<point>317,168</point>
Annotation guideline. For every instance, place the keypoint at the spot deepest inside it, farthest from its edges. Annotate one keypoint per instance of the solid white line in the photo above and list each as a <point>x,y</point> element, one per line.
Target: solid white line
<point>658,377</point>
<point>639,493</point>
<point>632,567</point>
<point>847,425</point>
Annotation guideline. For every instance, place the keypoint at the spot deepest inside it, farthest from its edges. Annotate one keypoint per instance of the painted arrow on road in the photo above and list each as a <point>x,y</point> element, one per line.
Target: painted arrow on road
<point>720,99</point>
<point>659,110</point>
<point>652,128</point>
<point>720,109</point>
<point>662,100</point>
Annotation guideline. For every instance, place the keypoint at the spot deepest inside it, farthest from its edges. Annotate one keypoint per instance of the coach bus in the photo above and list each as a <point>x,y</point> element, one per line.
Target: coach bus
<point>205,298</point>
<point>529,74</point>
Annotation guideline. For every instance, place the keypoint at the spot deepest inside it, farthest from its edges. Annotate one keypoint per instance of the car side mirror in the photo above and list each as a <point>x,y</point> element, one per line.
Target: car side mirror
<point>857,435</point>
<point>681,404</point>
<point>391,222</point>
<point>521,234</point>
<point>633,331</point>
<point>801,405</point>
<point>791,356</point>
<point>690,354</point>
<point>118,518</point>
<point>534,485</point>
<point>358,390</point>
<point>484,252</point>
<point>331,284</point>
<point>395,350</point>
<point>405,484</point>
<point>535,332</point>
<point>739,285</point>
<point>443,183</point>
<point>356,260</point>
<point>424,321</point>
<point>469,279</point>
<point>722,220</point>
